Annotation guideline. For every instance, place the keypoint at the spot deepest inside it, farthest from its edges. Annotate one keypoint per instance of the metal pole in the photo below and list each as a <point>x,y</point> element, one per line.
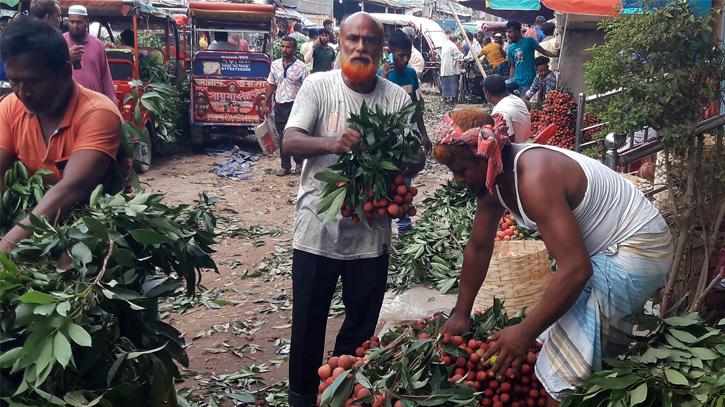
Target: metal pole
<point>580,109</point>
<point>561,46</point>
<point>465,37</point>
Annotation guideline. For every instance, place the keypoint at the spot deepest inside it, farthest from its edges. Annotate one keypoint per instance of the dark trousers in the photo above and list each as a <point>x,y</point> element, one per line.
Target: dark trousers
<point>313,283</point>
<point>281,115</point>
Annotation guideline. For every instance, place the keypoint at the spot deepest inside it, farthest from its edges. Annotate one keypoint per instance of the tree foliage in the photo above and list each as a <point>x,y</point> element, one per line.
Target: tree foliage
<point>668,63</point>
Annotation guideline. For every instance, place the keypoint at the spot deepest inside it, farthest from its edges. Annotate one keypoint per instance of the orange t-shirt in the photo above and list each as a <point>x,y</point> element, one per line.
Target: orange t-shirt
<point>91,122</point>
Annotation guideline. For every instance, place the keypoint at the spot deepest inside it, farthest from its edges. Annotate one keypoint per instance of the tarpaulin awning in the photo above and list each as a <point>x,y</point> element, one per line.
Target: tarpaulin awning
<point>589,7</point>
<point>514,4</point>
<point>523,16</point>
<point>609,7</point>
<point>293,14</point>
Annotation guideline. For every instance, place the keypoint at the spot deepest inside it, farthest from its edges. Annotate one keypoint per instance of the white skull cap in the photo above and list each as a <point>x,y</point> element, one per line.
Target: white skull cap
<point>409,31</point>
<point>77,10</point>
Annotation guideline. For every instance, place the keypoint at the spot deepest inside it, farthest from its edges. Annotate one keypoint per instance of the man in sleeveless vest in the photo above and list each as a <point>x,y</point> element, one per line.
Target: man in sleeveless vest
<point>612,247</point>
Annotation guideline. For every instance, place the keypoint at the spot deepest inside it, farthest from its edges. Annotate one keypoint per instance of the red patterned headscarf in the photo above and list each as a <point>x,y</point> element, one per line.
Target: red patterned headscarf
<point>486,141</point>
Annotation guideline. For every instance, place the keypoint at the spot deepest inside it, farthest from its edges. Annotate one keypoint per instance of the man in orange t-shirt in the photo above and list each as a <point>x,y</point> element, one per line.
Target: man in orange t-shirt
<point>52,122</point>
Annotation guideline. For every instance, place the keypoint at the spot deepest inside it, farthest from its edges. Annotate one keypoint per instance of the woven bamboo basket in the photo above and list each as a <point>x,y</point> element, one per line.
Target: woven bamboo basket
<point>642,184</point>
<point>519,273</point>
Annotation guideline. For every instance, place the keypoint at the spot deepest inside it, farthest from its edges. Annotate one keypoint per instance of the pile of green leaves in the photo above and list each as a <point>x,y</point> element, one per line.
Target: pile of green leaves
<point>410,369</point>
<point>91,334</point>
<point>22,192</point>
<point>681,362</point>
<point>433,251</point>
<point>389,143</point>
<point>162,100</point>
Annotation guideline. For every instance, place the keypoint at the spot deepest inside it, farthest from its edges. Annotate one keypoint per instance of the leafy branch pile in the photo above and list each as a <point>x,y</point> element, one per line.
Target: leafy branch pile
<point>414,365</point>
<point>22,192</point>
<point>681,362</point>
<point>433,251</point>
<point>389,143</point>
<point>89,333</point>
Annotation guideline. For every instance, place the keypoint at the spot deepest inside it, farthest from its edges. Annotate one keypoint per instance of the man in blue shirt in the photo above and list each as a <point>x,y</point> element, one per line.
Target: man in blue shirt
<point>404,76</point>
<point>521,55</point>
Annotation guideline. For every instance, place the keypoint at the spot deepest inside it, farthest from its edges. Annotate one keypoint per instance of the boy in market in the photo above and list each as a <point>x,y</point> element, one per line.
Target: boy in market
<point>404,76</point>
<point>544,82</point>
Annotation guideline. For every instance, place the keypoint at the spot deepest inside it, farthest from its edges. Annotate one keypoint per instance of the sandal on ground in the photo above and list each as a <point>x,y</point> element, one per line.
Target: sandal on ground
<point>283,172</point>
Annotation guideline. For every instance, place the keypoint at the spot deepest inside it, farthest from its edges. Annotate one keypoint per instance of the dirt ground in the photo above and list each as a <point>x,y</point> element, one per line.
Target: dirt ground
<point>249,324</point>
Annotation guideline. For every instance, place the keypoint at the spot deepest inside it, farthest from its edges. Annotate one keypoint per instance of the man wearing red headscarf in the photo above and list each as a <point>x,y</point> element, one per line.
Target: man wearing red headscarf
<point>323,253</point>
<point>612,247</point>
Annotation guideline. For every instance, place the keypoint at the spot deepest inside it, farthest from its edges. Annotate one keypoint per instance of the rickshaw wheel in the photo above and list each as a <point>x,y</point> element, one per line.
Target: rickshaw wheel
<point>142,153</point>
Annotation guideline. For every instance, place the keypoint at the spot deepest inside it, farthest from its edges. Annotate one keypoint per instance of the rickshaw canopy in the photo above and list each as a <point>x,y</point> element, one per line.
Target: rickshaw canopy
<point>116,8</point>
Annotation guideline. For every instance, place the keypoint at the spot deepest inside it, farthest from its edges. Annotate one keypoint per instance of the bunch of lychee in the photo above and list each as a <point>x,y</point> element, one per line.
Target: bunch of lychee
<point>397,205</point>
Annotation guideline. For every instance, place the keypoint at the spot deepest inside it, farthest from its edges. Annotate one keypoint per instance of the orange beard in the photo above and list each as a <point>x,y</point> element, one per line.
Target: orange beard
<point>357,71</point>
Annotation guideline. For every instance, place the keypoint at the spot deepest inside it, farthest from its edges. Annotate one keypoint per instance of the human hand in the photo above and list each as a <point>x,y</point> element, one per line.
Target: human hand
<point>387,68</point>
<point>427,145</point>
<point>456,324</point>
<point>344,143</point>
<point>109,45</point>
<point>512,345</point>
<point>76,53</point>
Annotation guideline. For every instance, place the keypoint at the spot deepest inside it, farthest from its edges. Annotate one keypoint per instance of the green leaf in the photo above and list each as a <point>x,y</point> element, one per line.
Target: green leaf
<point>79,335</point>
<point>82,253</point>
<point>676,377</point>
<point>683,336</point>
<point>61,349</point>
<point>149,237</point>
<point>330,177</point>
<point>96,227</point>
<point>618,382</point>
<point>7,359</point>
<point>63,308</point>
<point>133,355</point>
<point>114,368</point>
<point>704,353</point>
<point>680,321</point>
<point>638,395</point>
<point>36,297</point>
<point>335,207</point>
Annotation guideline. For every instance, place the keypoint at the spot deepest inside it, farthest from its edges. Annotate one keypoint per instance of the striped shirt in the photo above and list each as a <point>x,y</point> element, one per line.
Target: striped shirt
<point>543,84</point>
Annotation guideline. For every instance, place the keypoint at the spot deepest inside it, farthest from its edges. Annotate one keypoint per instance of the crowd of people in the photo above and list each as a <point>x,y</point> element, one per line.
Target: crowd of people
<point>611,245</point>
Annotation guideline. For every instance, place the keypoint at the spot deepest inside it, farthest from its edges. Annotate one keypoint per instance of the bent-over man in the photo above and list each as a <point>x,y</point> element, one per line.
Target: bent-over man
<point>52,122</point>
<point>612,247</point>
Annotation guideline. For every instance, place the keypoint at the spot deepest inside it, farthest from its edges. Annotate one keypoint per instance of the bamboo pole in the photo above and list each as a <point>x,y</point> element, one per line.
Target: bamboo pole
<point>465,37</point>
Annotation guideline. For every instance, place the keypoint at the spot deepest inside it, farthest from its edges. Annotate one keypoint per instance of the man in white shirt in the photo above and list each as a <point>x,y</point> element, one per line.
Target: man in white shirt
<point>221,43</point>
<point>416,60</point>
<point>513,109</point>
<point>317,132</point>
<point>476,46</point>
<point>450,57</point>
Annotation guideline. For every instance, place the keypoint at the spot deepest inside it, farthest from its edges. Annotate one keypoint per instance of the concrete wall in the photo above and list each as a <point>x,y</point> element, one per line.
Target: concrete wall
<point>574,55</point>
<point>581,34</point>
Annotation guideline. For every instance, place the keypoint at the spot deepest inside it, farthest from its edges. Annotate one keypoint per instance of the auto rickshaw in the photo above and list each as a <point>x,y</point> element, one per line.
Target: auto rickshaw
<point>155,36</point>
<point>228,87</point>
